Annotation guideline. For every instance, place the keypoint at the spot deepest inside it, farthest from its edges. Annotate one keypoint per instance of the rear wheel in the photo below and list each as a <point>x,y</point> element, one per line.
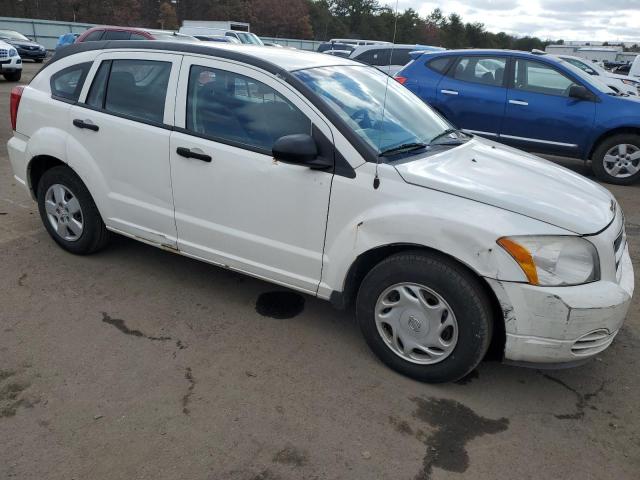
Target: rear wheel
<point>617,159</point>
<point>69,213</point>
<point>425,316</point>
<point>13,76</point>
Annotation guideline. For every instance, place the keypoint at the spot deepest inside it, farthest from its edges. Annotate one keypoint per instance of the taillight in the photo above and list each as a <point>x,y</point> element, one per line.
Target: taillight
<point>401,80</point>
<point>16,95</point>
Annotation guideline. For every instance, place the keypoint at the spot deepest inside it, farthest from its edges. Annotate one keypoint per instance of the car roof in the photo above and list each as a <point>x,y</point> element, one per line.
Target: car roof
<point>268,58</point>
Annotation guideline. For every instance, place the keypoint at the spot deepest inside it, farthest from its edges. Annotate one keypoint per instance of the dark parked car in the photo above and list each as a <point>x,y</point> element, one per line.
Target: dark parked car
<point>130,33</point>
<point>27,49</point>
<point>323,47</point>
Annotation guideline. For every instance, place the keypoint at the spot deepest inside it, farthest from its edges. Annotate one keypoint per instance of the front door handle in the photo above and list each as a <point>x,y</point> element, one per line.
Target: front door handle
<point>449,92</point>
<point>187,153</point>
<point>518,102</point>
<point>88,124</point>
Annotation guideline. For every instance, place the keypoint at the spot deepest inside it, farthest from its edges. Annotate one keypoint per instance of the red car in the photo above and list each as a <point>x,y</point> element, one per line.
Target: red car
<point>130,33</point>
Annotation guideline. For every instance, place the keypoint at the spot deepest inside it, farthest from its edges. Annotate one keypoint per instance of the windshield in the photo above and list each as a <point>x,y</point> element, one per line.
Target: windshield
<point>12,35</point>
<point>248,37</point>
<point>357,94</point>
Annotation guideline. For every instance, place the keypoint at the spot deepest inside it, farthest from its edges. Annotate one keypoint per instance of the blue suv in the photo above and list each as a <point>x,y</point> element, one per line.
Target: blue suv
<point>532,101</point>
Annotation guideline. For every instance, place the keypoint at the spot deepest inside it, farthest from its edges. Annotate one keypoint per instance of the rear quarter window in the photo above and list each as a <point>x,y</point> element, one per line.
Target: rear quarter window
<point>93,36</point>
<point>439,65</point>
<point>67,83</point>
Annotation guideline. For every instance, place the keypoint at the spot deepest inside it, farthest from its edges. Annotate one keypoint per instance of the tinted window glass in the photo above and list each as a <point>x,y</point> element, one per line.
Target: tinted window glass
<point>400,56</point>
<point>96,92</point>
<point>439,64</point>
<point>116,35</point>
<point>136,88</point>
<point>67,83</point>
<point>94,36</point>
<point>540,78</point>
<point>228,106</point>
<point>485,70</point>
<point>138,36</point>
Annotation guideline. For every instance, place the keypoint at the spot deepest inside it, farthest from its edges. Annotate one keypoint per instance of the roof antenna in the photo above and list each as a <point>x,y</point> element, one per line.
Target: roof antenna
<point>376,179</point>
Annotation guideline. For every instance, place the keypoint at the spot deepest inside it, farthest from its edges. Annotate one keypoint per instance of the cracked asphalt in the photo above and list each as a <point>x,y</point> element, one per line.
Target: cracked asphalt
<point>136,363</point>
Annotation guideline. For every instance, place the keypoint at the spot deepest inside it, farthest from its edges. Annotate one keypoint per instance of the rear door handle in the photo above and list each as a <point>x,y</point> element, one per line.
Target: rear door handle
<point>88,124</point>
<point>187,153</point>
<point>518,102</point>
<point>449,92</point>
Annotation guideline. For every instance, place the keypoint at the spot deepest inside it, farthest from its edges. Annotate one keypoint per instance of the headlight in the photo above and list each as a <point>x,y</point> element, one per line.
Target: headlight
<point>554,260</point>
<point>13,52</point>
<point>629,82</point>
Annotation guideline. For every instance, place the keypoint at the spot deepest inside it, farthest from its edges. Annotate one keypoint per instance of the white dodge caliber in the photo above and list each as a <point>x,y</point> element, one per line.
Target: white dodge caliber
<point>323,175</point>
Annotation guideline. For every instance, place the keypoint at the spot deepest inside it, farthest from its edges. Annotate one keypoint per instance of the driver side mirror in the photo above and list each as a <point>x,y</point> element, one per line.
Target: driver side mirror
<point>299,149</point>
<point>580,93</point>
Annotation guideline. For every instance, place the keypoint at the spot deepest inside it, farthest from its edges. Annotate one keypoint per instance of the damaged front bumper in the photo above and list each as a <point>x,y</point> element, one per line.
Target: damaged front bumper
<point>561,326</point>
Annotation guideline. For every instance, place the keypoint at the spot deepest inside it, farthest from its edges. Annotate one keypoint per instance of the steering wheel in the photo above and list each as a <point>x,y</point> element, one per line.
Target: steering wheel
<point>361,117</point>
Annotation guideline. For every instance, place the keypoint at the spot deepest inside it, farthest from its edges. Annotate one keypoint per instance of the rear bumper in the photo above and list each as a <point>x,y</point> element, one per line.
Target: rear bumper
<point>18,156</point>
<point>563,325</point>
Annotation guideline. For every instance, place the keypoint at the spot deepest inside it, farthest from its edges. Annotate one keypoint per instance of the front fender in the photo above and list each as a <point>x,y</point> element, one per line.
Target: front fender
<point>362,218</point>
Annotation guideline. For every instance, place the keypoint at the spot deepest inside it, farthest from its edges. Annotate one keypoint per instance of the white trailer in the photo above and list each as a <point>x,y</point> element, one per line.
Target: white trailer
<point>220,25</point>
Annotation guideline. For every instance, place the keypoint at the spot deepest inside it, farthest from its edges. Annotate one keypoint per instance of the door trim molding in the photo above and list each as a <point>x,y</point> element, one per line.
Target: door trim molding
<point>535,140</point>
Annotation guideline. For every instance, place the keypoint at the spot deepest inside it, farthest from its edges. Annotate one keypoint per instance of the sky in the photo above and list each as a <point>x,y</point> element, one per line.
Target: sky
<point>592,20</point>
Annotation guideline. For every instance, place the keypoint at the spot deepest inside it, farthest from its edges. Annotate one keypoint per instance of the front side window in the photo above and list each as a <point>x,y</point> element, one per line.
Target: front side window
<point>484,70</point>
<point>133,88</point>
<point>581,65</point>
<point>383,113</point>
<point>537,77</point>
<point>234,108</point>
<point>67,83</point>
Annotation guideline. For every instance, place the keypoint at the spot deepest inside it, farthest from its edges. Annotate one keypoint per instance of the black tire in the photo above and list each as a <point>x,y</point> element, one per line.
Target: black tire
<point>598,162</point>
<point>456,285</point>
<point>13,76</point>
<point>95,235</point>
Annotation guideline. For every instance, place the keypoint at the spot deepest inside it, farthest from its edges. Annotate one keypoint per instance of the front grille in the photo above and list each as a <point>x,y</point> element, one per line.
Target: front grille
<point>4,53</point>
<point>593,342</point>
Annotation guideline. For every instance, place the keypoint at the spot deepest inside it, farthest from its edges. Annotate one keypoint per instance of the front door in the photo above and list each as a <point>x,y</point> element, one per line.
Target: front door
<point>234,204</point>
<point>473,94</point>
<point>540,115</point>
<point>126,98</point>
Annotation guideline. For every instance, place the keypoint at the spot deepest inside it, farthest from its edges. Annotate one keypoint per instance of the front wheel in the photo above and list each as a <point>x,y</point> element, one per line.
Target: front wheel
<point>617,159</point>
<point>425,316</point>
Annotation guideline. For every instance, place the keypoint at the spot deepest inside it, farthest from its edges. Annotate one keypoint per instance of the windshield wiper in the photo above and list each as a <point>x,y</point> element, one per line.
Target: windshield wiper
<point>405,147</point>
<point>445,133</point>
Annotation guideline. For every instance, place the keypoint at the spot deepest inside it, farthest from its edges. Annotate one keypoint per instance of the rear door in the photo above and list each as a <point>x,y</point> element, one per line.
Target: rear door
<point>473,93</point>
<point>235,205</point>
<point>540,115</point>
<point>120,128</point>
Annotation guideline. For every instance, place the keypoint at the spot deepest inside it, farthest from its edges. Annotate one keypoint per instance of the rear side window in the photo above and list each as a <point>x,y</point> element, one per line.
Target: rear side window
<point>484,70</point>
<point>237,109</point>
<point>116,35</point>
<point>377,57</point>
<point>439,64</point>
<point>93,36</point>
<point>67,83</point>
<point>138,36</point>
<point>132,88</point>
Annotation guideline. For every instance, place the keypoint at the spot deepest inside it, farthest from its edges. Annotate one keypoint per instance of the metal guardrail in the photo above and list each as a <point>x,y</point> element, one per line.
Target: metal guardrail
<point>45,32</point>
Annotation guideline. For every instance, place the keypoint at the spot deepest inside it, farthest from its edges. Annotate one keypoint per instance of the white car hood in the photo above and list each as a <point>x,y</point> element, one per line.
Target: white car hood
<point>507,178</point>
